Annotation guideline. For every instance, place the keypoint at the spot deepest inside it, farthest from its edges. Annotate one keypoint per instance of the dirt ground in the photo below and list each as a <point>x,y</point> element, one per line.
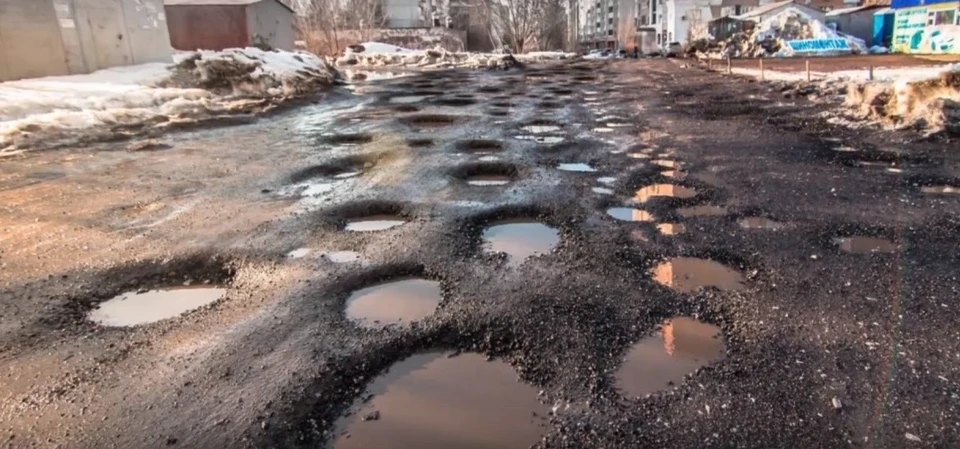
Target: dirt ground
<point>824,348</point>
<point>842,63</point>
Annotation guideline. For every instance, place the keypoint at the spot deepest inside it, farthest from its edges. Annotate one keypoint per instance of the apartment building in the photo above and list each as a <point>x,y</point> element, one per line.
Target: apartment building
<point>611,24</point>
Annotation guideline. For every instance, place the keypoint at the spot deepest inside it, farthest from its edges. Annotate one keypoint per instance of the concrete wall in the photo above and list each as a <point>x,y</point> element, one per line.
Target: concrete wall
<point>272,22</point>
<point>30,44</point>
<point>207,27</point>
<point>403,14</point>
<point>60,37</point>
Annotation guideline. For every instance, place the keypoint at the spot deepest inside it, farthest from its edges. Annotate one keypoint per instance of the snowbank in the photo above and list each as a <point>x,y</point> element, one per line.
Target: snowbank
<point>375,54</point>
<point>59,110</point>
<point>380,47</point>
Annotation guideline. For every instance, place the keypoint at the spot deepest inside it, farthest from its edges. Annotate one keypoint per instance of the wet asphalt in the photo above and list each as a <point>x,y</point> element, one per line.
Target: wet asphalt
<point>277,361</point>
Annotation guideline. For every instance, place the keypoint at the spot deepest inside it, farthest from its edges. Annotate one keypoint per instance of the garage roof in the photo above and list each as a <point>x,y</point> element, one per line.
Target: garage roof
<point>220,2</point>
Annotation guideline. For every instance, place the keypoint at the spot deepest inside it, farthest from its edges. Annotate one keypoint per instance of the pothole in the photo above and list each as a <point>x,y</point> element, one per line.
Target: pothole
<point>406,99</point>
<point>520,239</point>
<point>488,180</point>
<point>689,274</point>
<point>374,223</point>
<point>681,346</point>
<point>420,143</point>
<point>865,245</point>
<point>542,139</point>
<point>149,306</point>
<point>298,253</point>
<point>602,190</point>
<point>542,127</point>
<point>607,180</point>
<point>341,256</point>
<point>456,101</point>
<point>638,156</point>
<point>397,301</point>
<point>666,163</point>
<point>429,120</point>
<point>670,228</point>
<point>406,108</point>
<point>576,167</point>
<point>629,214</point>
<point>348,139</point>
<point>343,168</point>
<point>603,130</point>
<point>760,223</point>
<point>940,189</point>
<point>426,400</point>
<point>664,190</point>
<point>704,210</point>
<point>498,112</point>
<point>480,146</point>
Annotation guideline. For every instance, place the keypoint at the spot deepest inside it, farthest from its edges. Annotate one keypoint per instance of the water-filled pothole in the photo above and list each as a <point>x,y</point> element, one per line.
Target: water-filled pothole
<point>681,346</point>
<point>760,223</point>
<point>405,99</point>
<point>374,223</point>
<point>480,146</point>
<point>542,127</point>
<point>666,190</point>
<point>629,214</point>
<point>398,301</point>
<point>542,139</point>
<point>435,401</point>
<point>602,190</point>
<point>670,228</point>
<point>298,253</point>
<point>348,139</point>
<point>940,189</point>
<point>429,120</point>
<point>342,168</point>
<point>704,210</point>
<point>689,274</point>
<point>342,256</point>
<point>667,163</point>
<point>576,167</point>
<point>136,308</point>
<point>865,245</point>
<point>520,239</point>
<point>456,101</point>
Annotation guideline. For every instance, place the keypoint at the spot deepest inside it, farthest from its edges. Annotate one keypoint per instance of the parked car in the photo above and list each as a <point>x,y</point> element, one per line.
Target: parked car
<point>673,50</point>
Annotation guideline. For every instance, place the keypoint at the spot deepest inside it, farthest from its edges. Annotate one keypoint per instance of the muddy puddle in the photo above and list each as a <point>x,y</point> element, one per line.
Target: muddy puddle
<point>705,210</point>
<point>542,129</point>
<point>865,245</point>
<point>550,140</point>
<point>760,223</point>
<point>488,180</point>
<point>435,401</point>
<point>666,163</point>
<point>133,308</point>
<point>670,228</point>
<point>663,190</point>
<point>374,223</point>
<point>940,189</point>
<point>576,167</point>
<point>520,239</point>
<point>629,214</point>
<point>602,190</point>
<point>396,302</point>
<point>407,99</point>
<point>688,274</point>
<point>607,180</point>
<point>681,346</point>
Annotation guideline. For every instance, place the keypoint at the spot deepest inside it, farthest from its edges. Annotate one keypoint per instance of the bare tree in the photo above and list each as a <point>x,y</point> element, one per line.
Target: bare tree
<point>525,25</point>
<point>329,26</point>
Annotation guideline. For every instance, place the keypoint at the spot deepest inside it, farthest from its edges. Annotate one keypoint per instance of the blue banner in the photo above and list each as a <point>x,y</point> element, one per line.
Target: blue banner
<point>819,45</point>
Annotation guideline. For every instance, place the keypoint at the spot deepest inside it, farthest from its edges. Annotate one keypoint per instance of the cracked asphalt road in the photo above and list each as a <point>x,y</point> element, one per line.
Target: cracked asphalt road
<point>276,362</point>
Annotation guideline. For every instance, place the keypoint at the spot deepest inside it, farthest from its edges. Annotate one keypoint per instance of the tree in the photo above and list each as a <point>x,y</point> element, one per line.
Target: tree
<point>329,26</point>
<point>525,25</point>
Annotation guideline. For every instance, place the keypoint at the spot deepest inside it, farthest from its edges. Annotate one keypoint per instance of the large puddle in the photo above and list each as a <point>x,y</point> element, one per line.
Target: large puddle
<point>133,309</point>
<point>682,346</point>
<point>374,223</point>
<point>434,401</point>
<point>520,239</point>
<point>865,245</point>
<point>629,214</point>
<point>664,190</point>
<point>395,302</point>
<point>689,274</point>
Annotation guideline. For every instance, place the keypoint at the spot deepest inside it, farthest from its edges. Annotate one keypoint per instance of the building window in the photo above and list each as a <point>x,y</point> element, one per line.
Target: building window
<point>941,18</point>
<point>610,21</point>
<point>610,9</point>
<point>609,32</point>
<point>659,39</point>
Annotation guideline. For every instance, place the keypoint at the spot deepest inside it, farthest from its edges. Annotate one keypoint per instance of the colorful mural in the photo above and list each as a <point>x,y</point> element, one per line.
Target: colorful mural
<point>927,29</point>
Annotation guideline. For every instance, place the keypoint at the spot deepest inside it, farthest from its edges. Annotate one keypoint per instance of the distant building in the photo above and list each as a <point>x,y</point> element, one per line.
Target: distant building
<point>220,24</point>
<point>857,21</point>
<point>66,37</point>
<point>404,14</point>
<point>926,26</point>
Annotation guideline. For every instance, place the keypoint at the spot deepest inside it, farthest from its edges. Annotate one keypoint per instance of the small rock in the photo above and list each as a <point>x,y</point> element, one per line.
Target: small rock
<point>836,404</point>
<point>372,416</point>
<point>912,437</point>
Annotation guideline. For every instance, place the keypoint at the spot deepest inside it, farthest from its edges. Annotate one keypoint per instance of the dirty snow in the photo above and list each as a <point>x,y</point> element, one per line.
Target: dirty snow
<point>892,75</point>
<point>380,47</point>
<point>58,110</point>
<point>376,54</point>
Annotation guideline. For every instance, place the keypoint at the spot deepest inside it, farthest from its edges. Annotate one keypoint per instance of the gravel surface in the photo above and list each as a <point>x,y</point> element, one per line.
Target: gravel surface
<point>824,348</point>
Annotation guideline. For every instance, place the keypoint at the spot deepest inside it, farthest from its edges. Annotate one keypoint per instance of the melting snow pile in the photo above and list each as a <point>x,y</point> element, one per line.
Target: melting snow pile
<point>770,37</point>
<point>374,54</point>
<point>127,100</point>
<point>930,104</point>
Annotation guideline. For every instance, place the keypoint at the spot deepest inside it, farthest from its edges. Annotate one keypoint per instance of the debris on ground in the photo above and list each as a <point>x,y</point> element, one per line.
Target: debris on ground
<point>121,101</point>
<point>373,54</point>
<point>931,105</point>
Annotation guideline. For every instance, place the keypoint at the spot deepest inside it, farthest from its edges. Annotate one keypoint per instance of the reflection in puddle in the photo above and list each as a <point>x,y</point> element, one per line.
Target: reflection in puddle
<point>674,174</point>
<point>342,256</point>
<point>606,180</point>
<point>760,223</point>
<point>542,139</point>
<point>666,163</point>
<point>603,130</point>
<point>374,223</point>
<point>489,158</point>
<point>660,361</point>
<point>520,239</point>
<point>688,274</point>
<point>577,167</point>
<point>940,189</point>
<point>629,214</point>
<point>541,129</point>
<point>404,99</point>
<point>298,253</point>
<point>844,149</point>
<point>602,190</point>
<point>318,188</point>
<point>865,245</point>
<point>349,174</point>
<point>392,302</point>
<point>638,156</point>
<point>667,190</point>
<point>132,308</point>
<point>435,401</point>
<point>488,180</point>
<point>670,228</point>
<point>705,210</point>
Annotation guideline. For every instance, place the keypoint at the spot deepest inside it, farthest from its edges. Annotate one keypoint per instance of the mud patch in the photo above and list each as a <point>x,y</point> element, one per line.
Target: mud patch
<point>629,214</point>
<point>399,301</point>
<point>688,274</point>
<point>149,306</point>
<point>865,245</point>
<point>520,239</point>
<point>760,223</point>
<point>680,347</point>
<point>663,190</point>
<point>425,400</point>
